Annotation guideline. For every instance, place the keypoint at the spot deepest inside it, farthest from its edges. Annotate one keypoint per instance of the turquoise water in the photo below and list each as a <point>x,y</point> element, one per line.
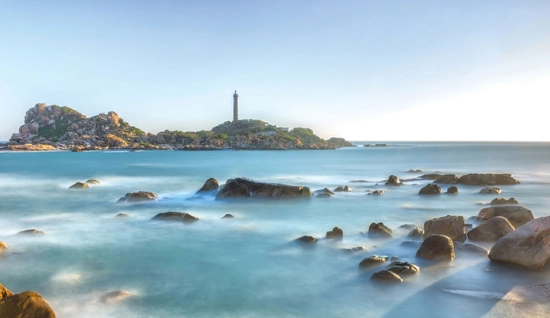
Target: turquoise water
<point>247,266</point>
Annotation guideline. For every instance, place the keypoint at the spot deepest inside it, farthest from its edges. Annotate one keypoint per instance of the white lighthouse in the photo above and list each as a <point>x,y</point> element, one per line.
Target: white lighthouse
<point>235,107</point>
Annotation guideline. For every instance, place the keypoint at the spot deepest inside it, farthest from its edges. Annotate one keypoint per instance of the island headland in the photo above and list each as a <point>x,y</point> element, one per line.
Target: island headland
<point>56,127</point>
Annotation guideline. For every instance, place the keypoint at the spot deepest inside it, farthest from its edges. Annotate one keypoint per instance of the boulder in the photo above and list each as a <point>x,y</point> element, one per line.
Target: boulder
<point>336,233</point>
<point>379,230</point>
<point>416,233</point>
<point>437,247</point>
<point>228,216</point>
<point>324,193</point>
<point>394,181</point>
<point>409,226</point>
<point>31,232</point>
<point>487,179</point>
<point>516,214</point>
<point>209,186</point>
<point>403,268</point>
<point>470,248</point>
<point>490,190</point>
<point>386,276</point>
<point>79,185</point>
<point>93,181</point>
<point>139,196</point>
<point>527,246</point>
<point>431,176</point>
<point>354,249</point>
<point>175,216</point>
<point>452,190</point>
<point>307,239</point>
<point>27,304</point>
<point>414,171</point>
<point>372,261</point>
<point>447,179</point>
<point>3,247</point>
<point>430,188</point>
<point>115,296</point>
<point>376,192</point>
<point>122,215</point>
<point>342,189</point>
<point>501,201</point>
<point>234,189</point>
<point>452,226</point>
<point>491,230</point>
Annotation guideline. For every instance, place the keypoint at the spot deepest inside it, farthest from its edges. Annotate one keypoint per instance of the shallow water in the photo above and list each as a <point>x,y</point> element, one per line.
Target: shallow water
<point>247,266</point>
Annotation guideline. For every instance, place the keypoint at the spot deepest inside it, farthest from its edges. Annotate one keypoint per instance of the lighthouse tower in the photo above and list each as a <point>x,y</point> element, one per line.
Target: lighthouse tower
<point>235,107</point>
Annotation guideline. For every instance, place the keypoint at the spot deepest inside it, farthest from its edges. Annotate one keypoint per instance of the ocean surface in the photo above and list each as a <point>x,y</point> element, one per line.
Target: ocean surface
<point>249,266</point>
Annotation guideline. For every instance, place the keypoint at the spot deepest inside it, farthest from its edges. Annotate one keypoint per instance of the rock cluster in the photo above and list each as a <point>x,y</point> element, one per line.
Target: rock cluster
<point>244,188</point>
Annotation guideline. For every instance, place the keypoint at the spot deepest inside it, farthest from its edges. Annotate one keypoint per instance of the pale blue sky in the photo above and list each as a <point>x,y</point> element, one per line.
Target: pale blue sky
<point>363,70</point>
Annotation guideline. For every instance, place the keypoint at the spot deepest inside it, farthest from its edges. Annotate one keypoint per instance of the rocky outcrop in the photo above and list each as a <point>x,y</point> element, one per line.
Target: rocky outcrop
<point>491,230</point>
<point>31,232</point>
<point>336,233</point>
<point>527,246</point>
<point>447,179</point>
<point>430,176</point>
<point>516,214</point>
<point>403,268</point>
<point>372,261</point>
<point>27,304</point>
<point>244,187</point>
<point>340,142</point>
<point>379,230</point>
<point>175,216</point>
<point>393,181</point>
<point>29,147</point>
<point>430,188</point>
<point>209,186</point>
<point>79,185</point>
<point>437,247</point>
<point>490,190</point>
<point>233,190</point>
<point>386,276</point>
<point>139,196</point>
<point>502,201</point>
<point>450,226</point>
<point>487,179</point>
<point>343,189</point>
<point>452,190</point>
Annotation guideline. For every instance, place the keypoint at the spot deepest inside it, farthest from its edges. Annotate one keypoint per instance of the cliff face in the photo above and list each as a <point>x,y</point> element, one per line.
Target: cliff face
<point>65,128</point>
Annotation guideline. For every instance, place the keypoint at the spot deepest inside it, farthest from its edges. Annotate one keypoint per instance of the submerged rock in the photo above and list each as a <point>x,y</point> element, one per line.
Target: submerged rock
<point>336,233</point>
<point>209,186</point>
<point>490,190</point>
<point>491,230</point>
<point>79,185</point>
<point>31,232</point>
<point>175,216</point>
<point>372,261</point>
<point>3,247</point>
<point>403,268</point>
<point>376,192</point>
<point>527,246</point>
<point>386,276</point>
<point>93,181</point>
<point>437,247</point>
<point>244,187</point>
<point>27,304</point>
<point>501,201</point>
<point>342,189</point>
<point>233,190</point>
<point>430,188</point>
<point>307,239</point>
<point>379,230</point>
<point>471,248</point>
<point>416,233</point>
<point>452,190</point>
<point>488,179</point>
<point>447,179</point>
<point>122,215</point>
<point>516,214</point>
<point>139,196</point>
<point>394,181</point>
<point>450,225</point>
<point>115,296</point>
<point>324,193</point>
<point>354,249</point>
<point>228,216</point>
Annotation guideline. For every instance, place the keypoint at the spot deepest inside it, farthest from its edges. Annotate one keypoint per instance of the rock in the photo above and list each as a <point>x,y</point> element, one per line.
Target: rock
<point>430,188</point>
<point>490,190</point>
<point>452,190</point>
<point>93,181</point>
<point>471,248</point>
<point>386,276</point>
<point>414,171</point>
<point>437,247</point>
<point>450,225</point>
<point>324,193</point>
<point>209,186</point>
<point>27,304</point>
<point>447,179</point>
<point>79,185</point>
<point>175,216</point>
<point>3,247</point>
<point>403,268</point>
<point>501,201</point>
<point>430,176</point>
<point>516,214</point>
<point>115,296</point>
<point>307,239</point>
<point>122,215</point>
<point>411,243</point>
<point>336,233</point>
<point>527,246</point>
<point>394,181</point>
<point>487,179</point>
<point>409,226</point>
<point>31,232</point>
<point>342,189</point>
<point>379,230</point>
<point>261,190</point>
<point>354,249</point>
<point>139,196</point>
<point>232,190</point>
<point>416,233</point>
<point>377,192</point>
<point>228,216</point>
<point>491,230</point>
<point>372,261</point>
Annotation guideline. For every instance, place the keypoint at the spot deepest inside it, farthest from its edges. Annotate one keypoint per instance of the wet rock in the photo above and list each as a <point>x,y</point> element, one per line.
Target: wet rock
<point>411,243</point>
<point>394,181</point>
<point>324,193</point>
<point>491,230</point>
<point>139,196</point>
<point>447,179</point>
<point>228,216</point>
<point>115,296</point>
<point>27,304</point>
<point>122,215</point>
<point>379,230</point>
<point>527,246</point>
<point>386,276</point>
<point>414,171</point>
<point>450,225</point>
<point>487,179</point>
<point>354,249</point>
<point>307,239</point>
<point>372,261</point>
<point>175,216</point>
<point>437,247</point>
<point>452,190</point>
<point>93,181</point>
<point>430,176</point>
<point>79,185</point>
<point>342,189</point>
<point>234,189</point>
<point>516,214</point>
<point>430,188</point>
<point>3,247</point>
<point>403,268</point>
<point>409,226</point>
<point>470,248</point>
<point>377,192</point>
<point>209,186</point>
<point>502,201</point>
<point>31,232</point>
<point>336,233</point>
<point>416,233</point>
<point>490,190</point>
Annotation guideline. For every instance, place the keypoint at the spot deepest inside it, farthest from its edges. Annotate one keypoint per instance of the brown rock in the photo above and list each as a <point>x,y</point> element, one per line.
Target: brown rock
<point>403,268</point>
<point>447,179</point>
<point>139,196</point>
<point>437,247</point>
<point>450,225</point>
<point>79,185</point>
<point>501,201</point>
<point>452,190</point>
<point>307,239</point>
<point>233,190</point>
<point>491,230</point>
<point>386,276</point>
<point>210,185</point>
<point>394,181</point>
<point>342,189</point>
<point>517,215</point>
<point>228,216</point>
<point>175,216</point>
<point>115,296</point>
<point>416,233</point>
<point>31,232</point>
<point>379,230</point>
<point>122,215</point>
<point>336,233</point>
<point>430,188</point>
<point>27,304</point>
<point>93,181</point>
<point>372,261</point>
<point>490,190</point>
<point>487,179</point>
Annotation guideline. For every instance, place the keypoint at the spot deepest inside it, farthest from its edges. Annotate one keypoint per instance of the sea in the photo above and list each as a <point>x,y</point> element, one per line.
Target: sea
<point>251,266</point>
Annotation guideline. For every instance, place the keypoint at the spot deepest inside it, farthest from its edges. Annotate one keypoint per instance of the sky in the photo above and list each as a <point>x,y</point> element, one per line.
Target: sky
<point>440,70</point>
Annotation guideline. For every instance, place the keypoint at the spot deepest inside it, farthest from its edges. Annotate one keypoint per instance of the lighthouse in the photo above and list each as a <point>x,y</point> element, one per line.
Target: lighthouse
<point>235,107</point>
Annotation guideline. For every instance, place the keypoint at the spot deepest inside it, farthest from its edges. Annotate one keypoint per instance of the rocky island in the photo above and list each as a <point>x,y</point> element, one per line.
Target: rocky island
<point>63,128</point>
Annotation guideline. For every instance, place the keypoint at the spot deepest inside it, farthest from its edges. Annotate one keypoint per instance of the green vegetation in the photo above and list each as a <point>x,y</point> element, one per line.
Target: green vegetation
<point>54,132</point>
<point>306,135</point>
